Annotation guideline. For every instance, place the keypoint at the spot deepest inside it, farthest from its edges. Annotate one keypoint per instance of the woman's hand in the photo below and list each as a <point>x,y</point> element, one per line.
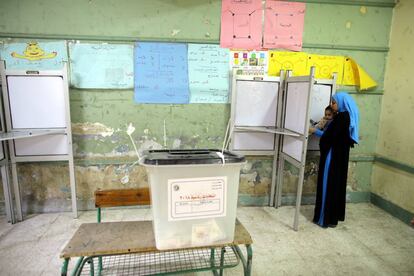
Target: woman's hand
<point>312,130</point>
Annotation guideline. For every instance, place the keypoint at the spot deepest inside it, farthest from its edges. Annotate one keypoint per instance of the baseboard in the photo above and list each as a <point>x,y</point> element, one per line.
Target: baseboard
<point>249,200</point>
<point>393,209</point>
<point>395,164</point>
<point>290,199</point>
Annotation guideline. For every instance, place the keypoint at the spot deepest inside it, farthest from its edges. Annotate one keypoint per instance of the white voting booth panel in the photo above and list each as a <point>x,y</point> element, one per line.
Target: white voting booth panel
<point>253,141</point>
<point>297,95</point>
<point>256,103</point>
<point>320,100</point>
<point>293,147</point>
<point>296,104</point>
<point>37,102</point>
<point>42,145</point>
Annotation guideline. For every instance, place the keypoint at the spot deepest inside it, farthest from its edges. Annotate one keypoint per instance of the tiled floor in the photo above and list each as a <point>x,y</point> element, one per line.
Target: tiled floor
<point>369,242</point>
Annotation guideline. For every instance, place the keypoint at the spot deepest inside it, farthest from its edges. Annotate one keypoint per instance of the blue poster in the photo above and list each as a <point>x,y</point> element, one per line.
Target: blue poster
<point>103,65</point>
<point>208,73</point>
<point>161,73</point>
<point>36,55</point>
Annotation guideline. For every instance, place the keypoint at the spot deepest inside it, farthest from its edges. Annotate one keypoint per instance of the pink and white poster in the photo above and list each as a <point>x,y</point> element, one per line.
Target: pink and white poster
<point>284,25</point>
<point>241,24</point>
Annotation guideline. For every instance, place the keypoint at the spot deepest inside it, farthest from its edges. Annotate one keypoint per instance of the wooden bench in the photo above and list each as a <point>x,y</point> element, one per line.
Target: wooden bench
<point>129,247</point>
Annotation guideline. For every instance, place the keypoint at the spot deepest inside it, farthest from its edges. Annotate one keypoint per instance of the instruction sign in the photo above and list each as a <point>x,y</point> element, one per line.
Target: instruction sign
<point>197,198</point>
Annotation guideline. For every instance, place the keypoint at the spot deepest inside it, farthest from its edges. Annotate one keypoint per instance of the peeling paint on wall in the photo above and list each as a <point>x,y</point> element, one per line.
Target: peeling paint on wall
<point>88,128</point>
<point>256,177</point>
<point>45,186</point>
<point>175,32</point>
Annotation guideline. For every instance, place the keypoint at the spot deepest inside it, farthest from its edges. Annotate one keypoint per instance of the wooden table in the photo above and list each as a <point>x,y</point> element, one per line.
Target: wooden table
<point>134,241</point>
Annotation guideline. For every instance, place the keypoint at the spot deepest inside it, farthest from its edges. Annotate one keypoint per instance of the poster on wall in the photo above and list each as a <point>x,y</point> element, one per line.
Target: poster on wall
<point>326,66</point>
<point>293,61</point>
<point>241,24</point>
<point>208,73</point>
<point>161,73</point>
<point>36,55</point>
<point>284,23</point>
<point>101,65</point>
<point>249,60</point>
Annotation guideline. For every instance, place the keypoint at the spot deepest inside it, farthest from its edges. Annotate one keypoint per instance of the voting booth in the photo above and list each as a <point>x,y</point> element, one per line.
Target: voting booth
<point>37,126</point>
<point>270,116</point>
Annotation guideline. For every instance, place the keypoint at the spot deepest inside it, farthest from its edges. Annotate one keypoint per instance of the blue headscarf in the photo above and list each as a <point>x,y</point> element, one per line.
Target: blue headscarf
<point>346,103</point>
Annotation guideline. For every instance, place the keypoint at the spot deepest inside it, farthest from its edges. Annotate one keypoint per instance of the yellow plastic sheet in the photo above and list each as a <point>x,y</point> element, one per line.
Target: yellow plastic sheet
<point>355,75</point>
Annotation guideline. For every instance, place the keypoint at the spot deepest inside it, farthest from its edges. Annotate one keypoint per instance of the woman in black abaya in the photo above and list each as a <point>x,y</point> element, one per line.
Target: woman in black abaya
<point>335,143</point>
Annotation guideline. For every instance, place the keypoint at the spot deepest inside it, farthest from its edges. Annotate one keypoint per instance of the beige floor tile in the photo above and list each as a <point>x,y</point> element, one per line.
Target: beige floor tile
<point>402,260</point>
<point>369,242</point>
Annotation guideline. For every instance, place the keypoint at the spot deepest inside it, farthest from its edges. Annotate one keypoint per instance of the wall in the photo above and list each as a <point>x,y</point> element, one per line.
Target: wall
<point>359,29</point>
<point>393,173</point>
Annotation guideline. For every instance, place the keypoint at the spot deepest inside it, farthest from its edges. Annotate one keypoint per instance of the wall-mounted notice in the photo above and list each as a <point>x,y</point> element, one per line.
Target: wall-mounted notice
<point>249,60</point>
<point>35,55</point>
<point>106,66</point>
<point>208,73</point>
<point>241,24</point>
<point>284,25</point>
<point>195,198</point>
<point>325,66</point>
<point>294,61</point>
<point>161,73</point>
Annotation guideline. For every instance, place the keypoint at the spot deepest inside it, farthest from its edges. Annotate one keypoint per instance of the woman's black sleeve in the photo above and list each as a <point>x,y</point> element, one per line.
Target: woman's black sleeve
<point>337,132</point>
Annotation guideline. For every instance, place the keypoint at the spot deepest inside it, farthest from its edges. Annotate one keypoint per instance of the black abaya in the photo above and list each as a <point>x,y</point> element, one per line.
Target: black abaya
<point>334,145</point>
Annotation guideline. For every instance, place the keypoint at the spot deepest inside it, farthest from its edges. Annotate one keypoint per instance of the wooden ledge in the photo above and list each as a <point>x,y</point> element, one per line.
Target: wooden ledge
<point>111,238</point>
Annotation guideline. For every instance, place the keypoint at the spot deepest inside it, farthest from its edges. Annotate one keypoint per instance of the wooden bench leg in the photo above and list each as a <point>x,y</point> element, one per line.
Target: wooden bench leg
<point>64,270</point>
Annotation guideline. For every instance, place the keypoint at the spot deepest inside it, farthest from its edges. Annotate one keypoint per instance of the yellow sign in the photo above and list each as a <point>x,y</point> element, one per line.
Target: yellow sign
<point>347,70</point>
<point>325,66</point>
<point>294,61</point>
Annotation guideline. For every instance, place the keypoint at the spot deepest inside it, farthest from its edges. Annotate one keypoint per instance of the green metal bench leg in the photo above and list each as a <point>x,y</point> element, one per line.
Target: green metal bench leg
<point>64,270</point>
<point>223,250</point>
<point>212,261</point>
<point>77,265</point>
<point>92,267</point>
<point>99,266</point>
<point>247,264</point>
<point>98,217</point>
<point>249,259</point>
